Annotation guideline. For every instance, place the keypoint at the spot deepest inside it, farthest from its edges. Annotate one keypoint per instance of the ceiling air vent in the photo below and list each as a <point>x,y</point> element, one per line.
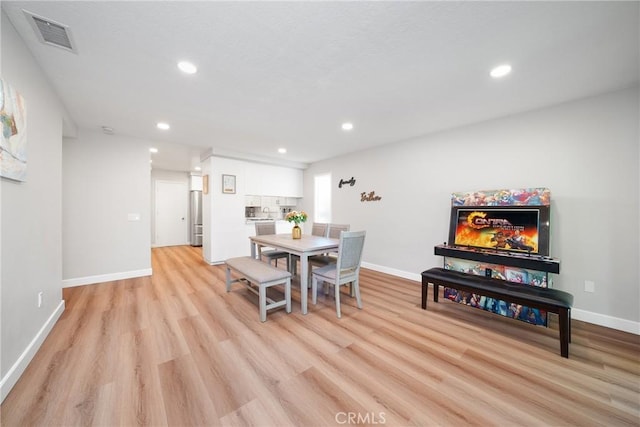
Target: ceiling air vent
<point>51,32</point>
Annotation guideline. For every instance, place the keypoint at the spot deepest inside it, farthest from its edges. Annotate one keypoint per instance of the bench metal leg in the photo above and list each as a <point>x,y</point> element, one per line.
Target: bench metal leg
<point>263,303</point>
<point>565,332</point>
<point>287,295</point>
<point>569,312</point>
<point>425,288</point>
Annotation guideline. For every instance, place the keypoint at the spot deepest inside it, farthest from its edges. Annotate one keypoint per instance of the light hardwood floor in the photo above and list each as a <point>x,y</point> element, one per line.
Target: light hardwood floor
<point>176,349</point>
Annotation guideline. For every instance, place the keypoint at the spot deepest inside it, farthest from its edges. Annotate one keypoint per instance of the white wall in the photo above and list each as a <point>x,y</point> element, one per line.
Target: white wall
<point>31,232</point>
<point>224,228</point>
<point>106,178</point>
<point>585,152</point>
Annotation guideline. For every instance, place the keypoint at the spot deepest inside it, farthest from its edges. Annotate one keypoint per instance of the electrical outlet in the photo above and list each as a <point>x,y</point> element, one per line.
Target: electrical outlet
<point>40,299</point>
<point>589,286</point>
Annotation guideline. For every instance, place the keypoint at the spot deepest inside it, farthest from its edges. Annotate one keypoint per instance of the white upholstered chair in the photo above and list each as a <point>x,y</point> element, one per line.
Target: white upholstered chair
<point>269,227</point>
<point>345,271</point>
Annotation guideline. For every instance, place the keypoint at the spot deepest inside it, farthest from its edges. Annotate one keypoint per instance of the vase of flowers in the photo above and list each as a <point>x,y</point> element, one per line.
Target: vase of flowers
<point>296,217</point>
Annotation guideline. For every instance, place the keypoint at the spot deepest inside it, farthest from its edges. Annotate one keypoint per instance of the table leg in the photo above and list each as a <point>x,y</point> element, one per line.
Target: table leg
<point>304,278</point>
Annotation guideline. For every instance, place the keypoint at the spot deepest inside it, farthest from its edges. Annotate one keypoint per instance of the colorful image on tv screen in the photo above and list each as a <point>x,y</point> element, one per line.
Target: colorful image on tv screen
<point>500,229</point>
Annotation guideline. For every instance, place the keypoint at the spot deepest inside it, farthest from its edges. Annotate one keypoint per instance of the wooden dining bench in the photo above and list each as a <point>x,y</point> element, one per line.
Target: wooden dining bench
<point>258,273</point>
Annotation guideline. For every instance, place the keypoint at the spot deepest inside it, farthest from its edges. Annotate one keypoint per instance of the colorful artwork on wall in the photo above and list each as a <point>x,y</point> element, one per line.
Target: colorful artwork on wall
<point>13,140</point>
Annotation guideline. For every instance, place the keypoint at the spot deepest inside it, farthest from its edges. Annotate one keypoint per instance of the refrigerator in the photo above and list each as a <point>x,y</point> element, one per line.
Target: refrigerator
<point>195,219</point>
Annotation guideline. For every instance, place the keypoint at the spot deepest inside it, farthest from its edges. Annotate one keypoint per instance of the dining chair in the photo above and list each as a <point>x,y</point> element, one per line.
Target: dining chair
<point>317,229</point>
<point>335,229</point>
<point>320,229</point>
<point>269,227</point>
<point>345,271</point>
<point>333,232</point>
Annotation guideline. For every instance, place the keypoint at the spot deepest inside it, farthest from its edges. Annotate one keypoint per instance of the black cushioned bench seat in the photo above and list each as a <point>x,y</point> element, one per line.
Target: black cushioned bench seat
<point>551,300</point>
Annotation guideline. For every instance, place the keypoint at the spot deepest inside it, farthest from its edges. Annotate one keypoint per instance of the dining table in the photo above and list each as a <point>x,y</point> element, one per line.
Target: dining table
<point>303,247</point>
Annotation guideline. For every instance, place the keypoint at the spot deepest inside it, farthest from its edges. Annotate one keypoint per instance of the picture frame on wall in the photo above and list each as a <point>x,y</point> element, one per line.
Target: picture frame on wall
<point>13,133</point>
<point>229,184</point>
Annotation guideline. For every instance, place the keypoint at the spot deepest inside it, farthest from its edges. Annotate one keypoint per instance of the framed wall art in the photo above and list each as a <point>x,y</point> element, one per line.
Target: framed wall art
<point>205,184</point>
<point>13,139</point>
<point>229,184</point>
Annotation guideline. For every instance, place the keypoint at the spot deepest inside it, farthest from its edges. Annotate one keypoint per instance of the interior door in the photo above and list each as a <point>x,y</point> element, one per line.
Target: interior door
<point>172,202</point>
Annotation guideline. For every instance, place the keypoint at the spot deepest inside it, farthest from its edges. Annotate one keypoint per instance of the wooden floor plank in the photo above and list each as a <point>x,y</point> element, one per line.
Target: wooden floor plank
<point>176,349</point>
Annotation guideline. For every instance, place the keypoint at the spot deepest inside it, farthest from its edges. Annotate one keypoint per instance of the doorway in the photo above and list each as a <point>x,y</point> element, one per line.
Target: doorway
<point>172,201</point>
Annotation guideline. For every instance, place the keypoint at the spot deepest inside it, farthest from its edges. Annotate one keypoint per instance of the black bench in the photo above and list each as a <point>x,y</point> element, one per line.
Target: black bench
<point>551,300</point>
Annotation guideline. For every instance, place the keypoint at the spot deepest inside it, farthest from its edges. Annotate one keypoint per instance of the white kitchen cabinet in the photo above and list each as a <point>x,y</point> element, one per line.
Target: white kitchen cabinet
<point>254,178</point>
<point>277,181</point>
<point>253,201</point>
<point>196,183</point>
<point>287,182</point>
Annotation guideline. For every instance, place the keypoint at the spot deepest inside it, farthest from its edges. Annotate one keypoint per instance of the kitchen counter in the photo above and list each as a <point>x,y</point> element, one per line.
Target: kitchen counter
<point>251,220</point>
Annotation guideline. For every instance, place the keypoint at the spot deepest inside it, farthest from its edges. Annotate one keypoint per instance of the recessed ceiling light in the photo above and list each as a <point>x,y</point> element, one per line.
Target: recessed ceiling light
<point>150,160</point>
<point>282,150</point>
<point>500,71</point>
<point>187,67</point>
<point>347,126</point>
<point>153,150</point>
<point>198,168</point>
<point>107,130</point>
<point>163,126</point>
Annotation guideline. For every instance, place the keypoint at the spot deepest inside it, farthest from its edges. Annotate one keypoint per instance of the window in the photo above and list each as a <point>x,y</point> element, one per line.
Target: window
<point>322,198</point>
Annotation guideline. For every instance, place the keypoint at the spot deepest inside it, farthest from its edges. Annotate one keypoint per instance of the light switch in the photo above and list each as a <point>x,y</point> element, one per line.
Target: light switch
<point>589,286</point>
<point>133,217</point>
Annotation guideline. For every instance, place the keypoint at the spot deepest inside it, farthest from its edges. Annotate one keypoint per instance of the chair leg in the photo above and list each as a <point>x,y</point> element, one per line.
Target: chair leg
<point>356,289</point>
<point>337,288</point>
<point>228,277</point>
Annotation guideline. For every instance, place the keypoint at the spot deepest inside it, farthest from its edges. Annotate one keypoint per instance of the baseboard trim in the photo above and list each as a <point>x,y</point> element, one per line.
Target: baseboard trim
<point>607,321</point>
<point>393,271</point>
<point>11,378</point>
<point>101,278</point>
<point>576,313</point>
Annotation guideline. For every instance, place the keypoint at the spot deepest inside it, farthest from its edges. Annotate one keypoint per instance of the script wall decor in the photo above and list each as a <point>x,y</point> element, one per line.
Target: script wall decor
<point>370,197</point>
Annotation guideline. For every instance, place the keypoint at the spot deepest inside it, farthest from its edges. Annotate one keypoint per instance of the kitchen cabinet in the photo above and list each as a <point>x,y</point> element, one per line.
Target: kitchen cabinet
<point>269,180</point>
<point>196,183</point>
<point>253,201</point>
<point>253,178</point>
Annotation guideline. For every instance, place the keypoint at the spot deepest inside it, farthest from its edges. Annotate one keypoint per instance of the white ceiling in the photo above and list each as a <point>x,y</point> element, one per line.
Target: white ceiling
<point>287,74</point>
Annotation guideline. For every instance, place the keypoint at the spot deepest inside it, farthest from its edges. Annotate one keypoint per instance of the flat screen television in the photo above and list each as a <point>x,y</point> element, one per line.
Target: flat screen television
<point>522,229</point>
